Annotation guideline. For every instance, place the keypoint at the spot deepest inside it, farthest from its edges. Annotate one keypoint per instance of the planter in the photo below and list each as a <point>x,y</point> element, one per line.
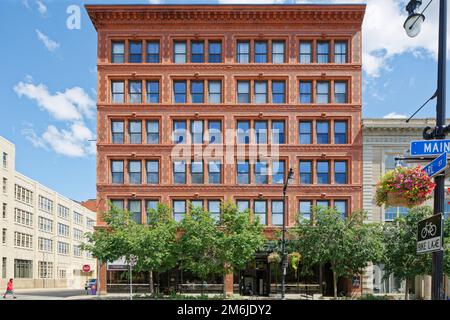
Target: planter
<point>396,200</point>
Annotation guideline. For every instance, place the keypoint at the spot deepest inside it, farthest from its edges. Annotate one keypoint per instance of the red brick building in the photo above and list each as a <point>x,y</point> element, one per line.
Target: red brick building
<point>245,91</point>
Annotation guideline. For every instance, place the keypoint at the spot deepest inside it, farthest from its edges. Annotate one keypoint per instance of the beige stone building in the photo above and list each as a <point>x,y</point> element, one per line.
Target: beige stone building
<point>41,232</point>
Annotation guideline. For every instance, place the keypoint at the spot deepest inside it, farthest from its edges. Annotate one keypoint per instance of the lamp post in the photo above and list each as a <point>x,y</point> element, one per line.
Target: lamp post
<point>289,179</point>
<point>412,27</point>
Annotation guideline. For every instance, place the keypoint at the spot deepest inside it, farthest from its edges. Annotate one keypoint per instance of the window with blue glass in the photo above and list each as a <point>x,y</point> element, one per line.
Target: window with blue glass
<point>305,132</point>
<point>118,52</point>
<point>278,169</point>
<point>260,91</point>
<point>179,210</point>
<point>215,91</point>
<point>323,132</point>
<point>323,172</point>
<point>153,206</point>
<point>153,51</point>
<point>340,52</point>
<point>261,132</point>
<point>179,172</point>
<point>214,209</point>
<point>135,131</point>
<point>118,91</point>
<point>179,131</point>
<point>117,171</point>
<point>214,172</point>
<point>134,172</point>
<point>197,131</point>
<point>340,172</point>
<point>243,205</point>
<point>153,91</point>
<point>135,91</point>
<point>198,91</point>
<point>322,204</point>
<point>305,172</point>
<point>119,204</point>
<point>152,131</point>
<point>305,55</point>
<point>196,204</point>
<point>243,91</point>
<point>135,52</point>
<point>179,91</point>
<point>134,207</point>
<point>340,132</point>
<point>197,172</point>
<point>277,212</point>
<point>340,92</point>
<point>278,92</point>
<point>305,90</point>
<point>261,172</point>
<point>215,51</point>
<point>179,52</point>
<point>323,52</point>
<point>260,52</point>
<point>305,207</point>
<point>118,131</point>
<point>215,131</point>
<point>243,132</point>
<point>197,52</point>
<point>243,52</point>
<point>260,211</point>
<point>152,172</point>
<point>323,92</point>
<point>243,172</point>
<point>392,213</point>
<point>278,49</point>
<point>341,207</point>
<point>278,132</point>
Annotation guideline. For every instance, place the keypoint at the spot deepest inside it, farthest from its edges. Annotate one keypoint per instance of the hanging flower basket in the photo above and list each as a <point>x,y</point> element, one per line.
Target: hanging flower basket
<point>274,257</point>
<point>404,187</point>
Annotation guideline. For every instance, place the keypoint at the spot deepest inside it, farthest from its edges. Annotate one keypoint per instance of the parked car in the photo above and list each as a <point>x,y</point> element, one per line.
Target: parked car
<point>90,283</point>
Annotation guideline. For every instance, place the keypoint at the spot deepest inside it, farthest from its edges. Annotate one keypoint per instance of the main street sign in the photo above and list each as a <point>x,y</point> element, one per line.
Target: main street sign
<point>429,234</point>
<point>429,147</point>
<point>436,166</point>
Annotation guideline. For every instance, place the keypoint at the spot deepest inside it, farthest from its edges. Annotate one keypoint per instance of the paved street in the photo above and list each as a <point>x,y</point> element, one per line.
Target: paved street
<point>47,294</point>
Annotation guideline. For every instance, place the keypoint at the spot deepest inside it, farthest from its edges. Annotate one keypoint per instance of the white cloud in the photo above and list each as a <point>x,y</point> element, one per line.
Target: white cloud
<point>26,4</point>
<point>394,115</point>
<point>69,105</point>
<point>42,8</point>
<point>50,44</point>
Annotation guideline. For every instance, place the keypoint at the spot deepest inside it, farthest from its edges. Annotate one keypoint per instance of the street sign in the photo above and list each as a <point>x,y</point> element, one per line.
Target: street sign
<point>429,234</point>
<point>86,268</point>
<point>429,147</point>
<point>436,166</point>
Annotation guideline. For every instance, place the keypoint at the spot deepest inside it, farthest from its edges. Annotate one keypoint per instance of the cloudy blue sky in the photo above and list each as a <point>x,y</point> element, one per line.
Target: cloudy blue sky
<point>48,81</point>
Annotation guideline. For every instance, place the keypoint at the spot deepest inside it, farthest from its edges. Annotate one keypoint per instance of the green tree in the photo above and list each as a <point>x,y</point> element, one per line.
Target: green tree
<point>349,244</point>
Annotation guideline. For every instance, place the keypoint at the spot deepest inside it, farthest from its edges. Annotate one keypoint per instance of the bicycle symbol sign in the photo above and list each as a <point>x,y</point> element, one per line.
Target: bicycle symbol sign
<point>429,234</point>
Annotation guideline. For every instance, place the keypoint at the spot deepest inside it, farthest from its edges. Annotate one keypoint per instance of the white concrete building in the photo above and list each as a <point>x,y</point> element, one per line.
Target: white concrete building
<point>41,232</point>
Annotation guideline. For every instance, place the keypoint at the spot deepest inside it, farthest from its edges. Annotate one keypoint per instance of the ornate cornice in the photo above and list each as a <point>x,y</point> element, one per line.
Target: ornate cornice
<point>107,15</point>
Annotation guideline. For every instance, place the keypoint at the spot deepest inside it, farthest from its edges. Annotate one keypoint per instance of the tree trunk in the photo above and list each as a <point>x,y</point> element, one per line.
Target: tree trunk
<point>406,289</point>
<point>151,281</point>
<point>224,285</point>
<point>335,284</point>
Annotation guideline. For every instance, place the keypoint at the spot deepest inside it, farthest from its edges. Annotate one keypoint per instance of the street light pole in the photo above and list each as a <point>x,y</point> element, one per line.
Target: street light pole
<point>283,239</point>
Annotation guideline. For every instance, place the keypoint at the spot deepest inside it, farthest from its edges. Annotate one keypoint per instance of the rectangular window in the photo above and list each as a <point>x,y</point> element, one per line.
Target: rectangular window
<point>277,212</point>
<point>5,160</point>
<point>153,91</point>
<point>340,92</point>
<point>215,51</point>
<point>152,172</point>
<point>151,205</point>
<point>305,132</point>
<point>118,52</point>
<point>179,210</point>
<point>134,172</point>
<point>278,169</point>
<point>340,172</point>
<point>134,207</point>
<point>23,217</point>
<point>118,131</point>
<point>197,172</point>
<point>5,185</point>
<point>323,136</point>
<point>3,236</point>
<point>278,92</point>
<point>305,209</point>
<point>22,268</point>
<point>198,91</point>
<point>153,132</point>
<point>278,132</point>
<point>215,91</point>
<point>179,52</point>
<point>261,174</point>
<point>214,172</point>
<point>118,91</point>
<point>243,132</point>
<point>278,49</point>
<point>45,204</point>
<point>261,132</point>
<point>153,51</point>
<point>135,54</point>
<point>63,230</point>
<point>4,211</point>
<point>45,244</point>
<point>135,131</point>
<point>117,173</point>
<point>340,52</point>
<point>260,52</point>
<point>305,90</point>
<point>214,209</point>
<point>215,131</point>
<point>179,132</point>
<point>179,91</point>
<point>76,251</point>
<point>340,132</point>
<point>243,91</point>
<point>260,211</point>
<point>4,267</point>
<point>77,234</point>
<point>322,204</point>
<point>197,52</point>
<point>63,248</point>
<point>260,91</point>
<point>196,204</point>
<point>197,131</point>
<point>323,52</point>
<point>323,92</point>
<point>305,52</point>
<point>45,225</point>
<point>119,204</point>
<point>243,172</point>
<point>323,172</point>
<point>179,172</point>
<point>243,52</point>
<point>135,91</point>
<point>341,207</point>
<point>305,172</point>
<point>243,205</point>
